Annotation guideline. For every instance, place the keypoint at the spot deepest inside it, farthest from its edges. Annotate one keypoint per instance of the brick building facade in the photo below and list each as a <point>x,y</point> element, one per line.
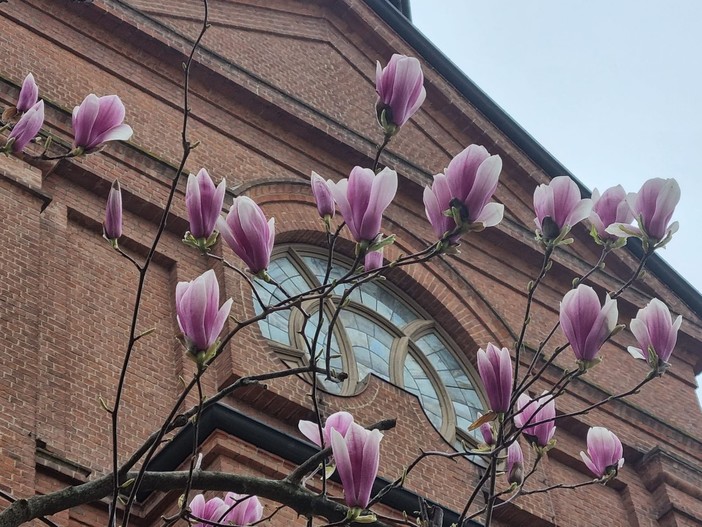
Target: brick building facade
<point>281,88</point>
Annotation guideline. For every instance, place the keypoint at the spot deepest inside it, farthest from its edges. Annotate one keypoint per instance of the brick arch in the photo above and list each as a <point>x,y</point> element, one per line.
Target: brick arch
<point>447,297</point>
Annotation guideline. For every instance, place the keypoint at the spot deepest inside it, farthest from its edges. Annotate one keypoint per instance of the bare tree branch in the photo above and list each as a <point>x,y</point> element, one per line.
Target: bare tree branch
<point>301,500</point>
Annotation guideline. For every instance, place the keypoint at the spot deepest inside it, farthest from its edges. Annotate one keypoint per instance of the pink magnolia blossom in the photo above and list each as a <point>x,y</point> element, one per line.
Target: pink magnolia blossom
<point>357,456</point>
<point>242,509</point>
<point>322,196</point>
<point>362,199</point>
<point>486,432</point>
<point>495,368</point>
<point>112,228</point>
<point>531,413</point>
<point>400,88</point>
<point>655,330</point>
<point>206,510</point>
<point>203,202</point>
<point>604,452</point>
<point>586,323</point>
<point>653,208</point>
<point>199,315</point>
<point>559,206</point>
<point>515,463</point>
<point>29,94</point>
<point>26,128</point>
<point>608,209</point>
<point>248,234</point>
<point>339,421</point>
<point>468,183</point>
<point>373,260</point>
<point>98,120</point>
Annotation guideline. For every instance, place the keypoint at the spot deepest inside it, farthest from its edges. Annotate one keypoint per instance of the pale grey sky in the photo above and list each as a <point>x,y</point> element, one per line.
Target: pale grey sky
<point>613,89</point>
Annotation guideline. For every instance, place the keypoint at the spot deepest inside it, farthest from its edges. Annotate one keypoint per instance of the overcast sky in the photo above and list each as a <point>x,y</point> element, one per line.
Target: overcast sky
<point>612,89</point>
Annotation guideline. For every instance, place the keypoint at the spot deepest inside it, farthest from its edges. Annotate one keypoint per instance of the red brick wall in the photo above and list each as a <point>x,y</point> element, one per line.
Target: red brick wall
<point>282,88</point>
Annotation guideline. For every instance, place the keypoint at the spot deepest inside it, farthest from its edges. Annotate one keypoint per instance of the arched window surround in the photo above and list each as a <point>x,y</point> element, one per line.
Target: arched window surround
<point>404,343</point>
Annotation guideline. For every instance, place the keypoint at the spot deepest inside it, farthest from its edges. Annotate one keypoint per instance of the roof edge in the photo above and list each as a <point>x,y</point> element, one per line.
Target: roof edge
<point>519,136</point>
<point>286,446</point>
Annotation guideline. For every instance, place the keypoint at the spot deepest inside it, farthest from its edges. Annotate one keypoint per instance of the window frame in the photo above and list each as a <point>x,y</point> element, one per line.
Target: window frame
<point>403,342</point>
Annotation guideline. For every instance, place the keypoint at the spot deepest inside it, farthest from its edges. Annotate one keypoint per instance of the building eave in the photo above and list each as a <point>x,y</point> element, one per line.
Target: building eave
<point>518,135</point>
<point>279,443</point>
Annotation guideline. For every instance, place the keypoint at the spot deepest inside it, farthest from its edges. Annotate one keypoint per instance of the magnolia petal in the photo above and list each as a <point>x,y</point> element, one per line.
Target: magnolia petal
<point>123,132</point>
<point>491,215</point>
<point>311,431</point>
<point>636,352</point>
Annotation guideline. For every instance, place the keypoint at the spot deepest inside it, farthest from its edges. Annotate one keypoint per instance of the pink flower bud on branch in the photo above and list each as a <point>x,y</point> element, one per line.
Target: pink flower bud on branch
<point>587,324</point>
<point>199,315</point>
<point>604,452</point>
<point>656,334</point>
<point>248,234</point>
<point>495,368</point>
<point>559,207</point>
<point>357,455</point>
<point>112,228</point>
<point>29,94</point>
<point>203,202</point>
<point>400,88</point>
<point>26,129</point>
<point>98,120</point>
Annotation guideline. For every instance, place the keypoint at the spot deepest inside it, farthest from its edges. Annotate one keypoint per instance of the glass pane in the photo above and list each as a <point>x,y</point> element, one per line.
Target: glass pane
<point>318,266</point>
<point>371,295</point>
<point>466,402</point>
<point>417,382</point>
<point>284,272</point>
<point>336,362</point>
<point>371,344</point>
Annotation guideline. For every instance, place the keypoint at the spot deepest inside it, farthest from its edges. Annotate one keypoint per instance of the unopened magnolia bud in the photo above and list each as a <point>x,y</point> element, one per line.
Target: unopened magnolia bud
<point>113,213</point>
<point>516,475</point>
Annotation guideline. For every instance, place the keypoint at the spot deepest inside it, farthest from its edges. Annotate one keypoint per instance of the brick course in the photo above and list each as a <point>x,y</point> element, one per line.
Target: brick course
<point>282,88</point>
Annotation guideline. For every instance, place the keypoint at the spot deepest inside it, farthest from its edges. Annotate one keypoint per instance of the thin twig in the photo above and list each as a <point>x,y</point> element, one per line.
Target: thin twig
<point>187,148</point>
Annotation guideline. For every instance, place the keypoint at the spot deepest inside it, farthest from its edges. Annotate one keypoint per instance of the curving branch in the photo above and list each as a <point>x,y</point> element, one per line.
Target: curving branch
<point>301,500</point>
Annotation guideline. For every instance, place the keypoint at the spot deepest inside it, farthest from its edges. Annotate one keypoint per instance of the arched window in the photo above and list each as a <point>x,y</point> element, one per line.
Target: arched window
<point>377,332</point>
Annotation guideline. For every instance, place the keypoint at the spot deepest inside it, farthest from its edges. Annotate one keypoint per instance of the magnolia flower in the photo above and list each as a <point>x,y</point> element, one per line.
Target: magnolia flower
<point>558,208</point>
<point>656,334</point>
<point>468,184</point>
<point>515,463</point>
<point>373,260</point>
<point>400,88</point>
<point>357,456</point>
<point>203,202</point>
<point>604,452</point>
<point>486,432</point>
<point>98,120</point>
<point>26,128</point>
<point>362,199</point>
<point>608,209</point>
<point>248,234</point>
<point>112,228</point>
<point>653,208</point>
<point>243,509</point>
<point>206,510</point>
<point>29,94</point>
<point>199,316</point>
<point>531,413</point>
<point>495,368</point>
<point>322,196</point>
<point>587,324</point>
<point>339,421</point>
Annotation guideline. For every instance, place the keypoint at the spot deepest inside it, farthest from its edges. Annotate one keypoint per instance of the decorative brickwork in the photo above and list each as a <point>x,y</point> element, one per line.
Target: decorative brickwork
<point>281,88</point>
